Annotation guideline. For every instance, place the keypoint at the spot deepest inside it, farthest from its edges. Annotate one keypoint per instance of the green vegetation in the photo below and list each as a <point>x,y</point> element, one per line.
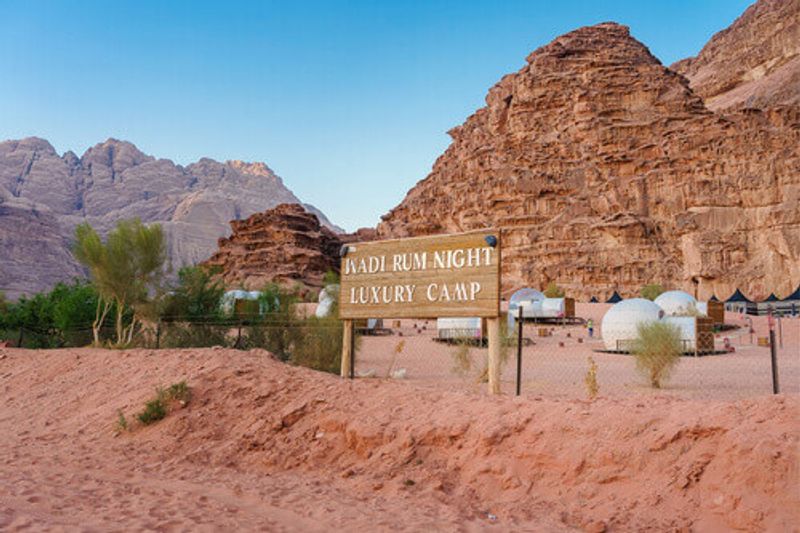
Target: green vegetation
<point>158,407</point>
<point>553,291</point>
<point>61,317</point>
<point>651,291</point>
<point>590,380</point>
<point>657,350</point>
<point>122,422</point>
<point>125,270</point>
<point>317,344</point>
<point>196,298</point>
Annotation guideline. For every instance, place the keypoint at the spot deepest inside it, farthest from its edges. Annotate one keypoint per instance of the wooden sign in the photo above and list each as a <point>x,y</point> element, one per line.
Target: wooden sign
<point>422,277</point>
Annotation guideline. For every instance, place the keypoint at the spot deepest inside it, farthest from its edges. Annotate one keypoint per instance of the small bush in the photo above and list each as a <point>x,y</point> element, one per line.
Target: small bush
<point>553,291</point>
<point>651,291</point>
<point>462,360</point>
<point>592,387</point>
<point>158,407</point>
<point>317,344</point>
<point>657,350</point>
<point>188,335</point>
<point>122,422</point>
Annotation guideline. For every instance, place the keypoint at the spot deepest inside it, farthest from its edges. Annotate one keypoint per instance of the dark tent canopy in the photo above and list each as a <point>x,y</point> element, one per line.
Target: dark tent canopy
<point>794,296</point>
<point>594,300</point>
<point>713,298</point>
<point>772,298</point>
<point>614,298</point>
<point>738,297</point>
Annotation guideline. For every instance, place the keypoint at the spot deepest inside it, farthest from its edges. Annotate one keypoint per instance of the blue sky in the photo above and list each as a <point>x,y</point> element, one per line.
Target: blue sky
<point>348,101</point>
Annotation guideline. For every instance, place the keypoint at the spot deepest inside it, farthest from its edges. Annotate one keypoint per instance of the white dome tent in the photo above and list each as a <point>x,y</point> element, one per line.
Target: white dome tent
<point>677,303</point>
<point>328,297</point>
<point>531,301</point>
<point>619,325</point>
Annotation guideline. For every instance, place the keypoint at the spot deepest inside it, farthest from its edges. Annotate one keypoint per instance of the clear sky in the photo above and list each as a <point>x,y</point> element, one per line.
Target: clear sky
<point>349,102</point>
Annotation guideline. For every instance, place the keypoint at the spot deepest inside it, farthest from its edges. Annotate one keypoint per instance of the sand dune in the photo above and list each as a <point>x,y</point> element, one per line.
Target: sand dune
<point>266,446</point>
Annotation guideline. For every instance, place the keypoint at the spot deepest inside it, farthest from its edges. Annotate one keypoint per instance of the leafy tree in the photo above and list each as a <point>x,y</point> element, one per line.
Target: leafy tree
<point>553,290</point>
<point>657,350</point>
<point>125,269</point>
<point>651,291</point>
<point>330,278</point>
<point>196,298</point>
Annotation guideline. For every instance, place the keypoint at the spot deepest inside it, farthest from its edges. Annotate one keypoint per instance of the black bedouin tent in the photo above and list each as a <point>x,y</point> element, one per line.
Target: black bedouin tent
<point>713,298</point>
<point>794,296</point>
<point>594,300</point>
<point>614,298</point>
<point>738,297</point>
<point>772,298</point>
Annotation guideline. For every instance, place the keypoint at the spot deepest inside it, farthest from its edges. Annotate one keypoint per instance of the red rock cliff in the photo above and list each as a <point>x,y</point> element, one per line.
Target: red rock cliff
<point>606,171</point>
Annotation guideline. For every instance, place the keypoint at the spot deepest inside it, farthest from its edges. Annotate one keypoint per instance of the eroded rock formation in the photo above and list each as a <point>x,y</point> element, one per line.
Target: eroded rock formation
<point>606,171</point>
<point>44,195</point>
<point>285,244</point>
<point>753,63</point>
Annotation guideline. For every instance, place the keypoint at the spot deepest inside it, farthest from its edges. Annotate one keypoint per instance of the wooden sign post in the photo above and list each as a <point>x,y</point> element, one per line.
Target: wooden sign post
<point>424,277</point>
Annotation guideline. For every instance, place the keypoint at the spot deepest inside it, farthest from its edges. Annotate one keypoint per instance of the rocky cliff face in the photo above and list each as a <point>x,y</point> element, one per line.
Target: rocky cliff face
<point>285,244</point>
<point>44,195</point>
<point>606,171</point>
<point>753,63</point>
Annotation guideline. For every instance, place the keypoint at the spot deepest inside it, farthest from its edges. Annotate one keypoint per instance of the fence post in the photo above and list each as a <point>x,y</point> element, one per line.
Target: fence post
<point>21,337</point>
<point>519,351</point>
<point>158,334</point>
<point>493,334</point>
<point>774,359</point>
<point>237,344</point>
<point>348,360</point>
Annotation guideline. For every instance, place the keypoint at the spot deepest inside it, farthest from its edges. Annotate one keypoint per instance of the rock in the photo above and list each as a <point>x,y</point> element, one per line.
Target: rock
<point>285,244</point>
<point>605,171</point>
<point>43,196</point>
<point>753,63</point>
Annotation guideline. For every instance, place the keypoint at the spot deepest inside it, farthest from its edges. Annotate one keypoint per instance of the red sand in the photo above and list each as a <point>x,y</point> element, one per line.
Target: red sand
<point>263,445</point>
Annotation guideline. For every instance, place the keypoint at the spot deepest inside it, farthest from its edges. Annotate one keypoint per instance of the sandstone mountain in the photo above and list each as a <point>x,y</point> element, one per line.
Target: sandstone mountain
<point>285,244</point>
<point>43,196</point>
<point>605,171</point>
<point>753,63</point>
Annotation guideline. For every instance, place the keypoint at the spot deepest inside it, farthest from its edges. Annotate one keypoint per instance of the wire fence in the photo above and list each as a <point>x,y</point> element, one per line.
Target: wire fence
<point>556,359</point>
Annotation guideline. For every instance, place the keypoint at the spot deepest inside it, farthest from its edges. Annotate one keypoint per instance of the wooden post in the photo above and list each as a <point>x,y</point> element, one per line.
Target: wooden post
<point>347,348</point>
<point>493,334</point>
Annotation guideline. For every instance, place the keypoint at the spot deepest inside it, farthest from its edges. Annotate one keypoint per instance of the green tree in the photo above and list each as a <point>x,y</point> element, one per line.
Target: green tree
<point>651,291</point>
<point>196,298</point>
<point>657,350</point>
<point>125,270</point>
<point>553,290</point>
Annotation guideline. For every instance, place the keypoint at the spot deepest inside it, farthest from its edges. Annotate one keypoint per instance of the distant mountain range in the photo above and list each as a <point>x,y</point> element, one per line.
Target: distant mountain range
<point>44,195</point>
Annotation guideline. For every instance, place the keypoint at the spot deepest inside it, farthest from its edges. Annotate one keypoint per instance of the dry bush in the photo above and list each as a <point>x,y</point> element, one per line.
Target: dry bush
<point>657,350</point>
<point>187,335</point>
<point>592,387</point>
<point>317,344</point>
<point>462,358</point>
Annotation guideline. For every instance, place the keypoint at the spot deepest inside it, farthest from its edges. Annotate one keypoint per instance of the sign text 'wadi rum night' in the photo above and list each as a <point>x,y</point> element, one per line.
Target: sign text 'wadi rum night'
<point>422,277</point>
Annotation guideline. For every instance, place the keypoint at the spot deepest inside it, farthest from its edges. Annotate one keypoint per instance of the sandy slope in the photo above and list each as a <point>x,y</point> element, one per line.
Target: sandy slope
<point>267,446</point>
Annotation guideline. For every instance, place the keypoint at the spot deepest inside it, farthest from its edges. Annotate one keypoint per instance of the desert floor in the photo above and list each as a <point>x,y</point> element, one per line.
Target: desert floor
<point>266,446</point>
<point>555,366</point>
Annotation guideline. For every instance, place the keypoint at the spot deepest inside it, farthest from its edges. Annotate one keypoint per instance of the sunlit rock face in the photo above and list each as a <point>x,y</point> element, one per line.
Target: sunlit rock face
<point>754,63</point>
<point>43,196</point>
<point>286,245</point>
<point>605,171</point>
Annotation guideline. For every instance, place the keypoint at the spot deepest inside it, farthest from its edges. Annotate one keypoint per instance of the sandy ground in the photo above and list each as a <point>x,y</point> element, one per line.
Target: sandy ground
<point>266,446</point>
<point>555,366</point>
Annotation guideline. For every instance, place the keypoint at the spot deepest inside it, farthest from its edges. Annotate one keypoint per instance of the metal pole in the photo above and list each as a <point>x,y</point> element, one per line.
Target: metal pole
<point>780,332</point>
<point>774,357</point>
<point>519,351</point>
<point>20,338</point>
<point>158,335</point>
<point>352,350</point>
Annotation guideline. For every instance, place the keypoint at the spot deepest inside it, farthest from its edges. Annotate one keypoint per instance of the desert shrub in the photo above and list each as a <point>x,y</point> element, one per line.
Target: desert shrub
<point>657,350</point>
<point>651,291</point>
<point>122,422</point>
<point>462,358</point>
<point>553,291</point>
<point>318,344</point>
<point>158,407</point>
<point>590,380</point>
<point>188,335</point>
<point>277,329</point>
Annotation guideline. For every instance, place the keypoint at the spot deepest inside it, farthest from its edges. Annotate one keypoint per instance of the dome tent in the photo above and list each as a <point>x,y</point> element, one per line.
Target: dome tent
<point>529,299</point>
<point>677,303</point>
<point>620,323</point>
<point>328,297</point>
